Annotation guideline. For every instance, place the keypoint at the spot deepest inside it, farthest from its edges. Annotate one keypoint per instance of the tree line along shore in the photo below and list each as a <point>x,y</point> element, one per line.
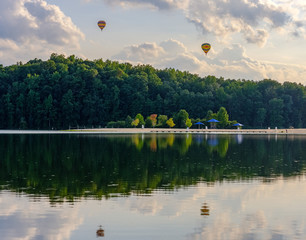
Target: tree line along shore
<point>268,131</point>
<point>69,92</point>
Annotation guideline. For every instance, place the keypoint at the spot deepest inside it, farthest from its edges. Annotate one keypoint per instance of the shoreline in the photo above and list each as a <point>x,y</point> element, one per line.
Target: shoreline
<point>297,131</point>
<point>301,131</point>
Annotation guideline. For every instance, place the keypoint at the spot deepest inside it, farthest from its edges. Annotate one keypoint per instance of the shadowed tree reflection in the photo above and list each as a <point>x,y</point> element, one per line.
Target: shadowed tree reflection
<point>66,167</point>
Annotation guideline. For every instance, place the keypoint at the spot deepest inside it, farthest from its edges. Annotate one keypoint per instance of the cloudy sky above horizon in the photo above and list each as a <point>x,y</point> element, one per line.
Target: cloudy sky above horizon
<point>251,39</point>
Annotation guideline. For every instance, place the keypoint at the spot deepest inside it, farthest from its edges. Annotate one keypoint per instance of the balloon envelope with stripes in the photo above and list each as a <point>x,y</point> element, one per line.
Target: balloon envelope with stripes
<point>101,24</point>
<point>205,47</point>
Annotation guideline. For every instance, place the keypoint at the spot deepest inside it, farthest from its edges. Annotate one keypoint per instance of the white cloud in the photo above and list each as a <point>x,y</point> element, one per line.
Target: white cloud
<point>232,62</point>
<point>173,47</point>
<point>159,4</point>
<point>7,44</point>
<point>252,19</point>
<point>31,28</point>
<point>168,54</point>
<point>141,53</point>
<point>224,18</point>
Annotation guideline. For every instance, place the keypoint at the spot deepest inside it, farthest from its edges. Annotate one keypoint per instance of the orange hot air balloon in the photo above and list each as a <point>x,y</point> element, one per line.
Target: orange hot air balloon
<point>205,47</point>
<point>101,24</point>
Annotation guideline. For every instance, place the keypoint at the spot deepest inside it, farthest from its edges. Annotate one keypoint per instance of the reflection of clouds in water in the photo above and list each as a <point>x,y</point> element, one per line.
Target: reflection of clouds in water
<point>153,206</point>
<point>145,206</point>
<point>243,210</point>
<point>255,211</point>
<point>21,218</point>
<point>253,226</point>
<point>223,228</point>
<point>172,205</point>
<point>7,208</point>
<point>238,211</point>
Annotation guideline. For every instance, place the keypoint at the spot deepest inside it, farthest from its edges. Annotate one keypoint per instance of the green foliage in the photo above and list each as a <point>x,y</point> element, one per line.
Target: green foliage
<point>118,124</point>
<point>209,115</point>
<point>162,121</point>
<point>148,122</point>
<point>188,123</point>
<point>223,117</point>
<point>260,116</point>
<point>140,118</point>
<point>170,122</point>
<point>276,106</point>
<point>128,121</point>
<point>111,124</point>
<point>69,91</point>
<point>180,118</point>
<point>135,122</point>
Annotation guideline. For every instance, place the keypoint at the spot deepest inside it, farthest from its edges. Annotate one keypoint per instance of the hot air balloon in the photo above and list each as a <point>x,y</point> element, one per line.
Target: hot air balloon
<point>205,47</point>
<point>101,24</point>
<point>205,210</point>
<point>100,232</point>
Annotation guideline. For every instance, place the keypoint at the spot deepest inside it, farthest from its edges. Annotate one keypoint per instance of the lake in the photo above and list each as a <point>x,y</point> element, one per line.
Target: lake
<point>152,186</point>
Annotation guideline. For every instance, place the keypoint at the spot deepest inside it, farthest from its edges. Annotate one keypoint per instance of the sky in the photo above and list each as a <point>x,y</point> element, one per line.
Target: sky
<point>250,39</point>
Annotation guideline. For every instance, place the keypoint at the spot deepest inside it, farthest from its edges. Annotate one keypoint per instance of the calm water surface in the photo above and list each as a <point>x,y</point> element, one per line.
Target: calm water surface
<point>146,186</point>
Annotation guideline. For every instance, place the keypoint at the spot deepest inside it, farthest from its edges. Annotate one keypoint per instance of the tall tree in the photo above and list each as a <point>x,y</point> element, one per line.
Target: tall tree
<point>275,112</point>
<point>170,123</point>
<point>180,118</point>
<point>140,118</point>
<point>162,121</point>
<point>153,118</point>
<point>188,123</point>
<point>48,111</point>
<point>260,117</point>
<point>223,117</point>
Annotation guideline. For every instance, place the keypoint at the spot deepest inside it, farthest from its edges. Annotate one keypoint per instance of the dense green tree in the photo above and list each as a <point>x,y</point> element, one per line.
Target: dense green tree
<point>141,119</point>
<point>8,111</point>
<point>223,117</point>
<point>69,91</point>
<point>180,118</point>
<point>128,121</point>
<point>135,122</point>
<point>210,115</point>
<point>68,109</point>
<point>48,111</point>
<point>170,122</point>
<point>148,122</point>
<point>275,112</point>
<point>260,117</point>
<point>188,123</point>
<point>162,121</point>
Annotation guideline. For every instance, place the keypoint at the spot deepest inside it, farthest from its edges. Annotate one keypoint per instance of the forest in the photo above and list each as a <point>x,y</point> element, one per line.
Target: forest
<point>69,92</point>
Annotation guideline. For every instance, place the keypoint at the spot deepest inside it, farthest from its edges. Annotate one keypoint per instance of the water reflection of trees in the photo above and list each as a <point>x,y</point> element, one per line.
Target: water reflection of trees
<point>72,166</point>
